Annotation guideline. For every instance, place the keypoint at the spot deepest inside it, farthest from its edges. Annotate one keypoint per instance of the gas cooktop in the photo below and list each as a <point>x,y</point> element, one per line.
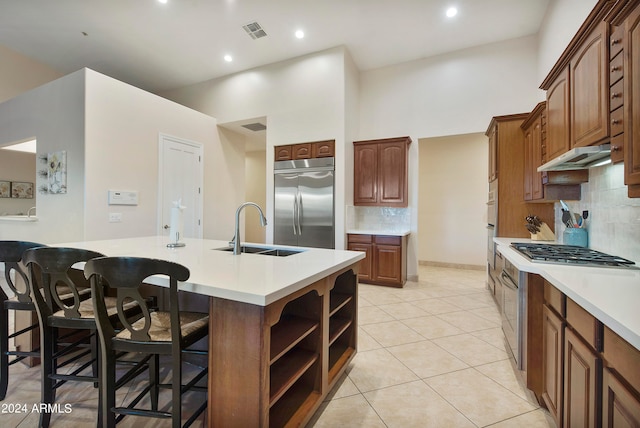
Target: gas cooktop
<point>570,255</point>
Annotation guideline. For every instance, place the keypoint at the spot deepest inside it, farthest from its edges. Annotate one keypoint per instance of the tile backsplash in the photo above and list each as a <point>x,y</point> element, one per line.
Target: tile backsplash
<point>614,218</point>
<point>383,219</point>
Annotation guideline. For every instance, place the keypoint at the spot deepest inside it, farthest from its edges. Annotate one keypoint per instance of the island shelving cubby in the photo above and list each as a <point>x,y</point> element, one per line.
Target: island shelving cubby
<point>286,356</point>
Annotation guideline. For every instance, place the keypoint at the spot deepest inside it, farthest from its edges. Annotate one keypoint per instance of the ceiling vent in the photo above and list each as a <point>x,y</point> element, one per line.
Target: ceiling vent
<point>254,30</point>
<point>255,126</point>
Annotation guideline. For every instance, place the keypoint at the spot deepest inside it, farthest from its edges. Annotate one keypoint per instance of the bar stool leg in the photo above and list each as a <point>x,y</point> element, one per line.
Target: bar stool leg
<point>4,348</point>
<point>154,374</point>
<point>176,387</point>
<point>47,368</point>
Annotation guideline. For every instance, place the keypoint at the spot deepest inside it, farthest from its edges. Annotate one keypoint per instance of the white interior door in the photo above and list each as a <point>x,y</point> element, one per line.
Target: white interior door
<point>180,178</point>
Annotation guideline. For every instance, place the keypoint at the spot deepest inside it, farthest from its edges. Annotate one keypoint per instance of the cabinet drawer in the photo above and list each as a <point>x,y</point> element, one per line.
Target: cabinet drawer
<point>616,96</point>
<point>616,122</point>
<point>363,239</point>
<point>615,41</point>
<point>584,324</point>
<point>388,240</point>
<point>616,69</point>
<point>554,298</point>
<point>621,355</point>
<point>617,148</point>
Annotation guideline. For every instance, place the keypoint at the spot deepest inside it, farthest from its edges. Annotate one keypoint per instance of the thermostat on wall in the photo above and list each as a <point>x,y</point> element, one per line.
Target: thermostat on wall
<point>123,197</point>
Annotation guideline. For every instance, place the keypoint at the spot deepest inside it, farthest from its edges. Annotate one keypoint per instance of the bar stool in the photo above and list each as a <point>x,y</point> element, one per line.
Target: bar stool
<point>18,282</point>
<point>63,301</point>
<point>159,333</point>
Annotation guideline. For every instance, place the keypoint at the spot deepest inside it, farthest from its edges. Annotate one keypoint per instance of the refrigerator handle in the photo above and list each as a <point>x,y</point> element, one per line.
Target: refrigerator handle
<point>299,210</point>
<point>295,212</point>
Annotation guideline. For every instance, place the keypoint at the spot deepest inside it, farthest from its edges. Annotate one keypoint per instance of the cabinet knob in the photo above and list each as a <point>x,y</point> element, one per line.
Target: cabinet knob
<point>616,122</point>
<point>616,95</point>
<point>615,148</point>
<point>616,68</point>
<point>615,41</point>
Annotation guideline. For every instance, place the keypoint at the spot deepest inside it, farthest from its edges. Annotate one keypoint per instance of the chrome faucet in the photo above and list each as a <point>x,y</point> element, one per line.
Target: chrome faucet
<point>29,212</point>
<point>236,239</point>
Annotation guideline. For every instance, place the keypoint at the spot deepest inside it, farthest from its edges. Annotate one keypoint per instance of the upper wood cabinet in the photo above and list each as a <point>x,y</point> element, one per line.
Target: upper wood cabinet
<point>558,129</point>
<point>545,186</point>
<point>589,70</point>
<point>318,149</point>
<point>631,41</point>
<point>380,172</point>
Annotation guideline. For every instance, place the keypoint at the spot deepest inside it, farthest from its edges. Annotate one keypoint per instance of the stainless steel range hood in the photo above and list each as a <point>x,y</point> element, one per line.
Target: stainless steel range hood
<point>579,158</point>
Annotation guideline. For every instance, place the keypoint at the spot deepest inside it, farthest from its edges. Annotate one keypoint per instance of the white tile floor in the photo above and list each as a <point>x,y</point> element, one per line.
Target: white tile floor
<point>429,355</point>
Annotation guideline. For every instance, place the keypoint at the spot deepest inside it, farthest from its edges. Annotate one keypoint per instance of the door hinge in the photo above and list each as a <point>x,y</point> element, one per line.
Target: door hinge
<point>198,222</point>
<point>198,190</point>
<point>199,158</point>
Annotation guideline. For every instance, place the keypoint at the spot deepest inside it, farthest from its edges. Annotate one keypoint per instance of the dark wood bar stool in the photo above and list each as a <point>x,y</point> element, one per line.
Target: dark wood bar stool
<point>18,282</point>
<point>63,301</point>
<point>158,333</point>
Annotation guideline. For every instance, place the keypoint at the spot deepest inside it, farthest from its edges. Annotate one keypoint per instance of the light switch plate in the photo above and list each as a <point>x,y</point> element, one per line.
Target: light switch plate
<point>115,217</point>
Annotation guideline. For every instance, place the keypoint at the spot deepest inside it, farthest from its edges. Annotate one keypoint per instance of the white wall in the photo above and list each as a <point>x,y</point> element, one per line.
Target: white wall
<point>112,143</point>
<point>54,115</point>
<point>19,73</point>
<point>452,208</point>
<point>303,100</point>
<point>560,24</point>
<point>450,94</point>
<point>256,191</point>
<point>123,124</point>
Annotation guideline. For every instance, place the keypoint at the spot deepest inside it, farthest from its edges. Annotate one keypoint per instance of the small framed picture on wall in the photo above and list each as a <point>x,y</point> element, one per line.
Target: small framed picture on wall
<point>21,190</point>
<point>5,189</point>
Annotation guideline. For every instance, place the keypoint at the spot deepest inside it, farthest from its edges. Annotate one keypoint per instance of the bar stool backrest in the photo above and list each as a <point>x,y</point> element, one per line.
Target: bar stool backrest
<point>55,264</point>
<point>11,255</point>
<point>126,275</point>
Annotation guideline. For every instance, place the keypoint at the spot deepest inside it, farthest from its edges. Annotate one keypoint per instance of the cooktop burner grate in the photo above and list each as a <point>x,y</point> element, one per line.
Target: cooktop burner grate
<point>569,254</point>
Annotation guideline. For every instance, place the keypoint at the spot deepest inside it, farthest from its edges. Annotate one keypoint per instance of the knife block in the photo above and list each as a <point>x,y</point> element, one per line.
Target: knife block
<point>545,234</point>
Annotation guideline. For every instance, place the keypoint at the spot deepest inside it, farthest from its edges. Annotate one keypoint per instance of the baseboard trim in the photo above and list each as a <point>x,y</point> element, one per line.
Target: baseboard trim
<point>451,265</point>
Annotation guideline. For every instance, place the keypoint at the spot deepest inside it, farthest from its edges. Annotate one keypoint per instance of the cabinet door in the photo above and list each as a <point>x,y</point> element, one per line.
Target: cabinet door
<point>558,127</point>
<point>620,407</point>
<point>364,274</point>
<point>392,170</point>
<point>589,89</point>
<point>529,169</point>
<point>387,263</point>
<point>302,151</point>
<point>282,153</point>
<point>581,382</point>
<point>493,153</point>
<point>632,102</point>
<point>365,174</point>
<point>322,149</point>
<point>552,362</point>
<point>537,191</point>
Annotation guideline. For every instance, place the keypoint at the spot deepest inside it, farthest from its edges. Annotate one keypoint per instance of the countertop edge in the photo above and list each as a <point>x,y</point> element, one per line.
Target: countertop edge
<point>631,335</point>
<point>378,232</point>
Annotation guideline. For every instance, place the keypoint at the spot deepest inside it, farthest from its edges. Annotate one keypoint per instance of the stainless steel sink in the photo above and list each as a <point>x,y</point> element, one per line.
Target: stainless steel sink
<point>266,251</point>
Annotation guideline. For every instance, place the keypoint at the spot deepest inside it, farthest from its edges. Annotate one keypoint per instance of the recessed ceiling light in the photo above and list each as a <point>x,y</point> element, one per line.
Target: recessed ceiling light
<point>163,1</point>
<point>228,58</point>
<point>300,34</point>
<point>451,12</point>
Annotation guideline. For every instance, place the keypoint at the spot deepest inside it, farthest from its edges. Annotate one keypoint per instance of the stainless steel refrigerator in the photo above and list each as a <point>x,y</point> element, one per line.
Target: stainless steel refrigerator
<point>304,208</point>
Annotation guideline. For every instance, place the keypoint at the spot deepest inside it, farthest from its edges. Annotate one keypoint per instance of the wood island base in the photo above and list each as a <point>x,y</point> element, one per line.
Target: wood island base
<point>272,366</point>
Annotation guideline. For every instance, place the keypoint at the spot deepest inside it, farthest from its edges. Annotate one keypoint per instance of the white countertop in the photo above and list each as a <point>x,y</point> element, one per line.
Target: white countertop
<point>249,278</point>
<point>400,232</point>
<point>611,295</point>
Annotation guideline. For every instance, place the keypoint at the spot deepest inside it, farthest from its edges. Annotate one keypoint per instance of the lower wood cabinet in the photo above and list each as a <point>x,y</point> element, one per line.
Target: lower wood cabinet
<point>620,406</point>
<point>582,368</point>
<point>590,375</point>
<point>552,362</point>
<point>386,258</point>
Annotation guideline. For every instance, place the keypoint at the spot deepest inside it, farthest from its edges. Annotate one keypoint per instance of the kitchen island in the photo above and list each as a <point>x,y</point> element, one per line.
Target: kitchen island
<point>282,329</point>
